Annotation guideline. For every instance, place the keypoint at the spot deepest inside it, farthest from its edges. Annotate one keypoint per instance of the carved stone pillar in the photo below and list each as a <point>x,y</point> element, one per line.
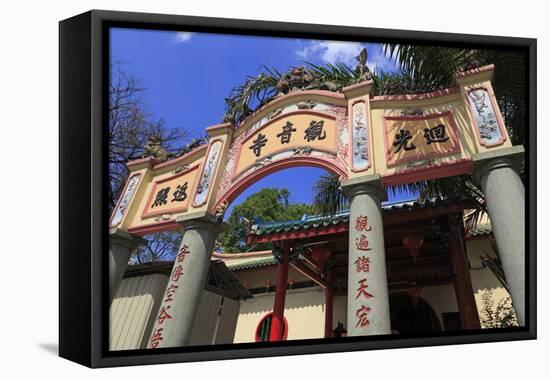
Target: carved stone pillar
<point>121,246</point>
<point>368,300</point>
<point>174,322</point>
<point>498,174</point>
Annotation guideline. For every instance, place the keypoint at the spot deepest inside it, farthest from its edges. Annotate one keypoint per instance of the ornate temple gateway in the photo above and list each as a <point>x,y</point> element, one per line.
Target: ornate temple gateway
<point>364,260</point>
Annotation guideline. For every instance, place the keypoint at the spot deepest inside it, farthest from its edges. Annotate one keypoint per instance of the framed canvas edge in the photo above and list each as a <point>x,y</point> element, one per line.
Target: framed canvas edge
<point>75,270</point>
<point>531,188</point>
<point>92,328</point>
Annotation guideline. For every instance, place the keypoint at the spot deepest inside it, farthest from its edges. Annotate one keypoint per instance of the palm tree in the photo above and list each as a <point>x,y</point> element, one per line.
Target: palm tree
<point>437,66</point>
<point>328,197</point>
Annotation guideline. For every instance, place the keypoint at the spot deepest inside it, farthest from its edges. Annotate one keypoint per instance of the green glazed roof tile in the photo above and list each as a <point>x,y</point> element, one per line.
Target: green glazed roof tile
<point>343,217</point>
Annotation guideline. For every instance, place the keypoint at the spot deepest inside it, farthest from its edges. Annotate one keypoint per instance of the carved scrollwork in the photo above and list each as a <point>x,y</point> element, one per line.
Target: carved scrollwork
<point>180,169</point>
<point>275,113</point>
<point>220,210</point>
<point>163,217</point>
<point>309,104</point>
<point>421,163</point>
<point>412,112</point>
<point>485,117</point>
<point>263,161</point>
<point>360,143</point>
<point>302,151</point>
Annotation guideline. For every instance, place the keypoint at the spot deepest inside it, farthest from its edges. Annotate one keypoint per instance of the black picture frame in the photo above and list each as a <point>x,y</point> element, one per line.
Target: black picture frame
<point>83,234</point>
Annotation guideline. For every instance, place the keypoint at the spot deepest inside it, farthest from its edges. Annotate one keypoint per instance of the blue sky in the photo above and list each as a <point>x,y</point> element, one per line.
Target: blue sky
<point>187,76</point>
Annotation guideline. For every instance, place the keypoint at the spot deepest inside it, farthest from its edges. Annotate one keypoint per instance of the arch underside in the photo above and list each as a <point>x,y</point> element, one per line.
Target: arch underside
<point>241,184</point>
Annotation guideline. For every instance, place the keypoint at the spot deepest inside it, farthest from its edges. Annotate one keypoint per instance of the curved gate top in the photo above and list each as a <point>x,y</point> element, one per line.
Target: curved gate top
<point>402,139</point>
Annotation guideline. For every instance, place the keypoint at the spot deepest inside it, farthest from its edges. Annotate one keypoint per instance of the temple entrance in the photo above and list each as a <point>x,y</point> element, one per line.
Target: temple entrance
<point>412,314</point>
<point>292,268</point>
<point>362,254</point>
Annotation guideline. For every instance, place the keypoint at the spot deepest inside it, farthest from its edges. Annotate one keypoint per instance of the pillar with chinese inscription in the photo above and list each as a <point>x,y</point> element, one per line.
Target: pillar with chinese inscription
<point>121,246</point>
<point>498,174</point>
<point>368,300</point>
<point>176,316</point>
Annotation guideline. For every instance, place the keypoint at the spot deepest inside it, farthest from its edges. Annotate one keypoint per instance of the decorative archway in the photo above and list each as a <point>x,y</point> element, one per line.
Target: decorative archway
<point>355,135</point>
<point>369,141</point>
<point>244,183</point>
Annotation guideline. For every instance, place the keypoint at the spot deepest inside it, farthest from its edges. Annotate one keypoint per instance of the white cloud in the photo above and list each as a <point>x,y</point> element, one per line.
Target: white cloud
<point>331,51</point>
<point>182,37</point>
<point>384,61</point>
<point>336,51</point>
<point>381,62</point>
<point>307,51</point>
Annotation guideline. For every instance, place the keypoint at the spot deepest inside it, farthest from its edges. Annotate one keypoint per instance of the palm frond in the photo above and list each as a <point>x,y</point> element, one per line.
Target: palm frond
<point>256,90</point>
<point>429,64</point>
<point>456,187</point>
<point>328,197</point>
<point>339,74</point>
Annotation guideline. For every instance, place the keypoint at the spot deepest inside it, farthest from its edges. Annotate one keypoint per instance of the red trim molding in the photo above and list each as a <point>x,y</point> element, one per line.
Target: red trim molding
<point>353,87</point>
<point>151,161</point>
<point>244,182</point>
<point>420,96</point>
<point>460,74</point>
<point>455,168</point>
<point>225,256</point>
<point>170,225</point>
<point>181,158</point>
<point>220,126</point>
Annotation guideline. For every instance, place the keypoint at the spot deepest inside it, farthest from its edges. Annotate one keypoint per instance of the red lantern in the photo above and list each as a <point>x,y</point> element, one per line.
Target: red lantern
<point>413,242</point>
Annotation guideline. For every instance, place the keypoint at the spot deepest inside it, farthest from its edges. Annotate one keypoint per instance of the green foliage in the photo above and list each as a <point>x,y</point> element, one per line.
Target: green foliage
<point>496,315</point>
<point>430,64</point>
<point>422,69</point>
<point>492,261</point>
<point>328,198</point>
<point>258,90</point>
<point>435,66</point>
<point>338,74</point>
<point>455,187</point>
<point>255,90</point>
<point>267,205</point>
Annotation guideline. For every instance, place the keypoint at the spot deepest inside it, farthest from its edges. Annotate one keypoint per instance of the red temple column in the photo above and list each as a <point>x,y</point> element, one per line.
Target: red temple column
<point>329,297</point>
<point>467,309</point>
<point>277,321</point>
